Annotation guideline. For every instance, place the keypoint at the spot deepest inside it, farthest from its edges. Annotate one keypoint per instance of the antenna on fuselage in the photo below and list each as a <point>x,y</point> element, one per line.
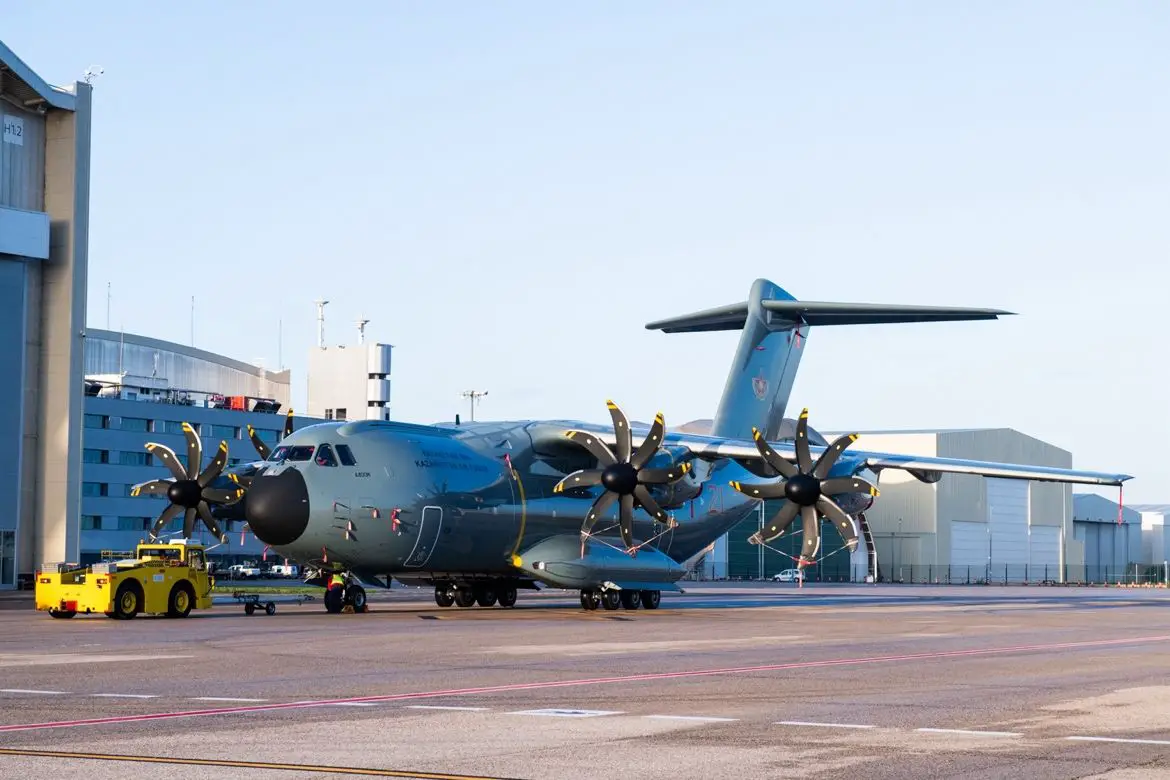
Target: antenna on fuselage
<point>321,323</point>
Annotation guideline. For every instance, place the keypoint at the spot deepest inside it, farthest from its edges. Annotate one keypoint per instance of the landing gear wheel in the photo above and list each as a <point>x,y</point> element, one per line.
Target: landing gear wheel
<point>650,598</point>
<point>356,595</point>
<point>611,599</point>
<point>126,602</point>
<point>485,596</point>
<point>590,600</point>
<point>631,598</point>
<point>444,595</point>
<point>464,597</point>
<point>62,614</point>
<point>506,596</point>
<point>179,604</point>
<point>334,599</point>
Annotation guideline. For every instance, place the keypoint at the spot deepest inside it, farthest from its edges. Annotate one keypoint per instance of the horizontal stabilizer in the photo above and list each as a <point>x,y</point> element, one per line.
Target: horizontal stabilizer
<point>734,316</point>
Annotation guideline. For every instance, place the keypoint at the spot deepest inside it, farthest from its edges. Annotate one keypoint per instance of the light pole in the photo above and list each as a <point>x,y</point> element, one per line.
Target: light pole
<point>761,564</point>
<point>473,396</point>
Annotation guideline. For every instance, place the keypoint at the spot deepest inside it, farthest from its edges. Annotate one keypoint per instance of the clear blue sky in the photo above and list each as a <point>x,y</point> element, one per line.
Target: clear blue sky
<point>510,191</point>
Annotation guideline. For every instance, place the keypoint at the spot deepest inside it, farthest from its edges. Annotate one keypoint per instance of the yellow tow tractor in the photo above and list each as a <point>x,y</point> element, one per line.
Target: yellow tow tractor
<point>162,578</point>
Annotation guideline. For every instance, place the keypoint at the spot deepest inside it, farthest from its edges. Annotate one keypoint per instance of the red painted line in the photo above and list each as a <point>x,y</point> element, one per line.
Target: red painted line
<point>630,678</point>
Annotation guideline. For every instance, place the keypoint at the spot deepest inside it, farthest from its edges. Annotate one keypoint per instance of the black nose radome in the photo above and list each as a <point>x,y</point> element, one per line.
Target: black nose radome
<point>278,507</point>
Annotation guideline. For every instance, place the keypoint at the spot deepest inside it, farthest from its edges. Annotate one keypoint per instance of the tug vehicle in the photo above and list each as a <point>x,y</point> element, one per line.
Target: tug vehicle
<point>168,578</point>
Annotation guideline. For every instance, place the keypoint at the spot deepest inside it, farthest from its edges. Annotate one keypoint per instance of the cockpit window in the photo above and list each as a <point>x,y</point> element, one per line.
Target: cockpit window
<point>299,452</point>
<point>346,455</point>
<point>325,456</point>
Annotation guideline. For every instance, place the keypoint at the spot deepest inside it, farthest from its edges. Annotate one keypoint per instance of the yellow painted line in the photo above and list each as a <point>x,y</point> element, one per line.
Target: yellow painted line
<point>341,770</point>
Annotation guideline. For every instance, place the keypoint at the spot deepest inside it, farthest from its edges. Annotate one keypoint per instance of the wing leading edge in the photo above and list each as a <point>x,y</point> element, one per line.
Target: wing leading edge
<point>711,448</point>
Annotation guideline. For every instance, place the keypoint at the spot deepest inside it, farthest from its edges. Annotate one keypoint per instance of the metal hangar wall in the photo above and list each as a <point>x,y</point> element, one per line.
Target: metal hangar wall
<point>44,229</point>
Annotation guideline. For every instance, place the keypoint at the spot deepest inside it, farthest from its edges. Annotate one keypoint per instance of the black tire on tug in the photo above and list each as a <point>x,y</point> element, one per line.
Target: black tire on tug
<point>181,600</point>
<point>356,595</point>
<point>650,598</point>
<point>127,602</point>
<point>334,599</point>
<point>506,595</point>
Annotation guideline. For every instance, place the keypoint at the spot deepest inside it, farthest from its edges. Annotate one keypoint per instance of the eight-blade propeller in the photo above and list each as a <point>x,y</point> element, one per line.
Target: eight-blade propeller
<point>188,491</point>
<point>807,491</point>
<point>623,474</point>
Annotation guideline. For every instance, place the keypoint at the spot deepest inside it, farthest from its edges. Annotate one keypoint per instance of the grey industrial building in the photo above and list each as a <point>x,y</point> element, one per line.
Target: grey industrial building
<point>44,226</point>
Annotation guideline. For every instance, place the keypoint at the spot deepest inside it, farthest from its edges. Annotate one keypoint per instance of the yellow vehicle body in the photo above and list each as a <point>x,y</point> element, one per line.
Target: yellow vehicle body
<point>161,578</point>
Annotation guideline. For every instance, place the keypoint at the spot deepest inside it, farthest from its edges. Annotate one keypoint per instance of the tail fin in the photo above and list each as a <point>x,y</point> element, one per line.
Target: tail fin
<point>775,328</point>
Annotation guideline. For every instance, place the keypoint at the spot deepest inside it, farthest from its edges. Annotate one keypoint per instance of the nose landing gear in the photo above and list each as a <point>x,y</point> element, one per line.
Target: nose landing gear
<point>343,593</point>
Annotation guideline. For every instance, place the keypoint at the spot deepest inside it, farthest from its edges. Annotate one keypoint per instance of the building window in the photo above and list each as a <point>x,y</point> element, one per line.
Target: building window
<point>340,414</point>
<point>91,523</point>
<point>97,421</point>
<point>93,489</point>
<point>221,431</point>
<point>139,424</point>
<point>130,458</point>
<point>133,523</point>
<point>95,456</point>
<point>346,455</point>
<point>328,414</point>
<point>176,426</point>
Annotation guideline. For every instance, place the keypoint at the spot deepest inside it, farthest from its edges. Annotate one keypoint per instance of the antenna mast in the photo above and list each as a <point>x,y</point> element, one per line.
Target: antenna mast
<point>474,396</point>
<point>362,323</point>
<point>321,323</point>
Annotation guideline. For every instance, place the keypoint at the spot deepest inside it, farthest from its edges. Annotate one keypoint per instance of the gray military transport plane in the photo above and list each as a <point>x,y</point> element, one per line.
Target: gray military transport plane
<point>481,510</point>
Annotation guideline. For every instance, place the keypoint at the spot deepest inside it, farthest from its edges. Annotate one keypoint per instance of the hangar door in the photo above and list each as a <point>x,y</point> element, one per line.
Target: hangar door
<point>1007,517</point>
<point>968,550</point>
<point>1044,553</point>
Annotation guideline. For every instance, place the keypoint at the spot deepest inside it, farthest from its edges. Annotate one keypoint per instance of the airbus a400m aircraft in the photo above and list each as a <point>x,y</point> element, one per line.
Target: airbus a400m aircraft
<point>481,510</point>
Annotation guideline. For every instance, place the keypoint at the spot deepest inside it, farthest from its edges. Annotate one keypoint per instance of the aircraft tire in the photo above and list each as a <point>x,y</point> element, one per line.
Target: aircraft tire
<point>444,595</point>
<point>464,597</point>
<point>506,595</point>
<point>611,599</point>
<point>356,595</point>
<point>650,598</point>
<point>590,600</point>
<point>334,600</point>
<point>631,599</point>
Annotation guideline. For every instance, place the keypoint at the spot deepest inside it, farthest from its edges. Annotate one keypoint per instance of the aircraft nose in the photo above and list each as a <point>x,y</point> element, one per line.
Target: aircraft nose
<point>277,507</point>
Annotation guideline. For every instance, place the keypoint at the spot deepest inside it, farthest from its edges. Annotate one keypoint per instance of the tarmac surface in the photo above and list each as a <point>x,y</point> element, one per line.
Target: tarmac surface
<point>754,680</point>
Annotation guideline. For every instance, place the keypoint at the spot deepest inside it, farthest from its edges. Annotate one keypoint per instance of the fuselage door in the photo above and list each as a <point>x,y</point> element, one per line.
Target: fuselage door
<point>428,537</point>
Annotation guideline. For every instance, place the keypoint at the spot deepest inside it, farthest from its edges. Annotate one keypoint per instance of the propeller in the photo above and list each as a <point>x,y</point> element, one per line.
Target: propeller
<point>188,491</point>
<point>807,491</point>
<point>623,474</point>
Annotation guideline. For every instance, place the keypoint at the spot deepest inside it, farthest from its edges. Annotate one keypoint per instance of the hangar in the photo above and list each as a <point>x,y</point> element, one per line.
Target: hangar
<point>959,529</point>
<point>44,226</point>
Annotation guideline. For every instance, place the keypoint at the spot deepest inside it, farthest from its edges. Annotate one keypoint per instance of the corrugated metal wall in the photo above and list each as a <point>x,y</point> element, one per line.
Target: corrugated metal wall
<point>22,165</point>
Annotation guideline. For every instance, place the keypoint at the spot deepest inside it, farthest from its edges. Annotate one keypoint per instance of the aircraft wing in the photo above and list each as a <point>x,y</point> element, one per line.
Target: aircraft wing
<point>927,469</point>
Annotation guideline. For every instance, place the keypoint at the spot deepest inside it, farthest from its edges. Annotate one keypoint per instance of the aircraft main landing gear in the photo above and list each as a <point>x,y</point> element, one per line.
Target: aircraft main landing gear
<point>485,594</point>
<point>592,599</point>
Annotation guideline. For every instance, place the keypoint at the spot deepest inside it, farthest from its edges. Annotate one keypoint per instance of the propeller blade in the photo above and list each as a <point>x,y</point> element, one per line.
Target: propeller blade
<point>842,521</point>
<point>626,520</point>
<point>777,525</point>
<point>288,424</point>
<point>663,476</point>
<point>650,445</point>
<point>650,505</point>
<point>771,457</point>
<point>194,450</point>
<point>242,481</point>
<point>579,479</point>
<point>155,487</point>
<point>812,532</point>
<point>225,497</point>
<point>189,523</point>
<point>167,456</point>
<point>766,490</point>
<point>832,487</point>
<point>168,514</point>
<point>621,429</point>
<point>215,467</point>
<point>209,521</point>
<point>803,456</point>
<point>260,446</point>
<point>595,447</point>
<point>829,457</point>
<point>599,508</point>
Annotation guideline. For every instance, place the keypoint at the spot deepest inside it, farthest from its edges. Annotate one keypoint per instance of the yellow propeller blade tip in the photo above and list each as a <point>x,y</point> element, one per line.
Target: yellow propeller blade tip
<point>517,561</point>
<point>804,412</point>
